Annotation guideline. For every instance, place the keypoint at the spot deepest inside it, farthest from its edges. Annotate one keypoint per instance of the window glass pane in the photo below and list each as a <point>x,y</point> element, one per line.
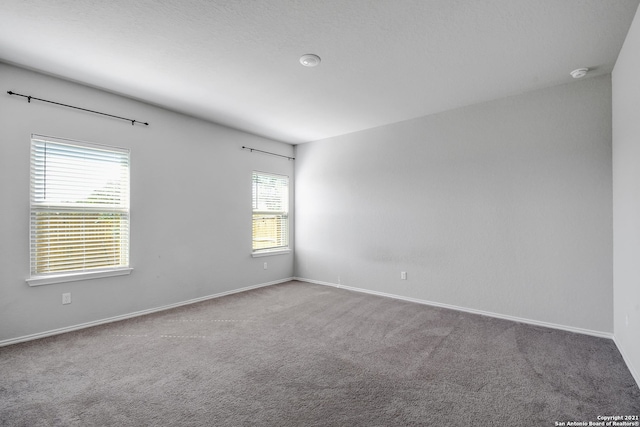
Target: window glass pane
<point>79,206</point>
<point>270,211</point>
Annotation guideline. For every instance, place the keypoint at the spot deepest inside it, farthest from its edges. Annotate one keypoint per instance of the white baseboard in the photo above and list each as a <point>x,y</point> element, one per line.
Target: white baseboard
<point>627,360</point>
<point>134,314</point>
<point>466,310</point>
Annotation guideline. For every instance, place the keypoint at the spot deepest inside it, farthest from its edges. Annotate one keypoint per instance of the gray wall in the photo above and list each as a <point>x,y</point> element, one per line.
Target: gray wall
<point>190,205</point>
<point>503,207</point>
<point>626,198</point>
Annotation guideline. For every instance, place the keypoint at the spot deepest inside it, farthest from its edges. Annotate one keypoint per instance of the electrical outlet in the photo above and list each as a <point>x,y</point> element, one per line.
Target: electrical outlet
<point>403,275</point>
<point>626,319</point>
<point>66,298</point>
<point>265,265</point>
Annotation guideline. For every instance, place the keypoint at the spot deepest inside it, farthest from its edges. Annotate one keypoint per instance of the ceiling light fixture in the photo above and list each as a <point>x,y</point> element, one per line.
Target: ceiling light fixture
<point>579,73</point>
<point>309,60</point>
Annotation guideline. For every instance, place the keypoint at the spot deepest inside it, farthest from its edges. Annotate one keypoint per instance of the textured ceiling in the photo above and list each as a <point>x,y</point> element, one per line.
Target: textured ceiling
<point>235,62</point>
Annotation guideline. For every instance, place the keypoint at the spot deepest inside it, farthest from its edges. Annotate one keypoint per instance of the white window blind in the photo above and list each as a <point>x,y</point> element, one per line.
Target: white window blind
<point>270,212</point>
<point>79,207</point>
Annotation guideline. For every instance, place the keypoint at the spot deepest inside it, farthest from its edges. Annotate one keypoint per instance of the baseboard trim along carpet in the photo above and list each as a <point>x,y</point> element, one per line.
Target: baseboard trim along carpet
<point>466,310</point>
<point>134,314</point>
<point>627,361</point>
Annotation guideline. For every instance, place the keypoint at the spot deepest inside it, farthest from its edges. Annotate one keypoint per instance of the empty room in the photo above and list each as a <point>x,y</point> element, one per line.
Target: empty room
<point>310,213</point>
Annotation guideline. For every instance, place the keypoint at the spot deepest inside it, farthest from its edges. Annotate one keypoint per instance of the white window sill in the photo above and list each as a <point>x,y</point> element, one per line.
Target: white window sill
<point>72,277</point>
<point>271,252</point>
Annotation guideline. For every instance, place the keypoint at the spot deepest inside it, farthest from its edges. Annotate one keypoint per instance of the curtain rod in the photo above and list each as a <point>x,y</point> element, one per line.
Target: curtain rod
<point>29,98</point>
<point>267,152</point>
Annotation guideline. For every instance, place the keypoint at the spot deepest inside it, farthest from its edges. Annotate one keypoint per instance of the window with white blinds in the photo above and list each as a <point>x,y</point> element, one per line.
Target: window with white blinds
<point>270,212</point>
<point>79,207</point>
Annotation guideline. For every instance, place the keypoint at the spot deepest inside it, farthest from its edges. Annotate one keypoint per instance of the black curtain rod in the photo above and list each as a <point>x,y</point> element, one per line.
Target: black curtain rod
<point>29,98</point>
<point>267,152</point>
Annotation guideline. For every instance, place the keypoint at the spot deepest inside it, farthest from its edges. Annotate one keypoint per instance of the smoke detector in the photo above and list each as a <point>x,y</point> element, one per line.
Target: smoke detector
<point>579,73</point>
<point>309,60</point>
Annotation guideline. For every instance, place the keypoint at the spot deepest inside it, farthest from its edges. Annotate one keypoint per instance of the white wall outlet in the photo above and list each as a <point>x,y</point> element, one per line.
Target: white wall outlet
<point>626,319</point>
<point>265,265</point>
<point>403,275</point>
<point>66,298</point>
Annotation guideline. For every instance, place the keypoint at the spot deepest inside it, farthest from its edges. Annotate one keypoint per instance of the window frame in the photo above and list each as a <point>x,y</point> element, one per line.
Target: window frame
<point>37,205</point>
<point>275,250</point>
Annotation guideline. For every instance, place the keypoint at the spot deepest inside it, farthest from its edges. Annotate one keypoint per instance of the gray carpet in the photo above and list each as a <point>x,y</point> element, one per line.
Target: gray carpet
<point>298,354</point>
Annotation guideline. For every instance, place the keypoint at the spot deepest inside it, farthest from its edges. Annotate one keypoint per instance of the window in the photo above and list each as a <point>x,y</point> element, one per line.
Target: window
<point>270,213</point>
<point>79,210</point>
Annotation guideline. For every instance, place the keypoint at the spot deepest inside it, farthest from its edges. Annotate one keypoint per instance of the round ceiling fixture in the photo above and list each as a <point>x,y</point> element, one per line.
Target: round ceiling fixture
<point>579,73</point>
<point>309,60</point>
